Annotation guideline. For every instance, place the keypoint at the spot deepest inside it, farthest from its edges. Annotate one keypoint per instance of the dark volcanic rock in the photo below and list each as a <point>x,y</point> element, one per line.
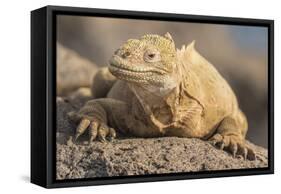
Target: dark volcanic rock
<point>137,156</point>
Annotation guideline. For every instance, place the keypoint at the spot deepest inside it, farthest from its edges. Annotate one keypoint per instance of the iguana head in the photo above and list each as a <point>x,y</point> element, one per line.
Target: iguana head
<point>148,61</point>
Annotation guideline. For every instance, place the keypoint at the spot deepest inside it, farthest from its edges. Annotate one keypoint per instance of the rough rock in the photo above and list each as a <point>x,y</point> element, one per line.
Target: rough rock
<point>72,102</point>
<point>137,156</point>
<point>73,70</point>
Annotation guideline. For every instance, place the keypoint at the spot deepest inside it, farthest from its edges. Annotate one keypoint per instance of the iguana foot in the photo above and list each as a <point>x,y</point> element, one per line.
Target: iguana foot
<point>234,144</point>
<point>96,130</point>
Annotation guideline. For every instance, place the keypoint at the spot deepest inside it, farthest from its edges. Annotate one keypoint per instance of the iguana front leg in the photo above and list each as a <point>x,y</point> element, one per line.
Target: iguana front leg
<point>230,135</point>
<point>99,118</point>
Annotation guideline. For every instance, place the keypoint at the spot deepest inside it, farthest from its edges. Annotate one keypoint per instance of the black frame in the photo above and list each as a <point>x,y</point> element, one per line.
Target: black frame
<point>43,95</point>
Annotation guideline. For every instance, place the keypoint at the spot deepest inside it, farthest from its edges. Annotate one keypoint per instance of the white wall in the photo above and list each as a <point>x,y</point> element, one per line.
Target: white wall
<point>15,95</point>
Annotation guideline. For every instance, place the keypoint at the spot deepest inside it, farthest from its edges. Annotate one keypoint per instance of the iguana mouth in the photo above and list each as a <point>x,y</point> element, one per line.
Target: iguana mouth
<point>123,69</point>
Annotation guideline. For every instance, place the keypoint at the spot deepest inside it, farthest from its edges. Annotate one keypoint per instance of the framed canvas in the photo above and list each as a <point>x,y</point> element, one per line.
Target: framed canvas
<point>126,96</point>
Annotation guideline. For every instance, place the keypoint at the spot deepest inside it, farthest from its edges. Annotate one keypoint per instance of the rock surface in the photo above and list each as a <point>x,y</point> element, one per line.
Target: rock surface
<point>137,156</point>
<point>73,71</point>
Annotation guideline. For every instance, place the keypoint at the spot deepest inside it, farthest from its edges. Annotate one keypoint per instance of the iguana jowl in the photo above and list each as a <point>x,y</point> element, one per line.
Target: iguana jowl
<point>157,90</point>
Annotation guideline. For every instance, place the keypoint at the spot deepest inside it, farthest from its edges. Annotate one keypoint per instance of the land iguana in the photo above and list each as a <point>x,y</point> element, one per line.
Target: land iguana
<point>152,89</point>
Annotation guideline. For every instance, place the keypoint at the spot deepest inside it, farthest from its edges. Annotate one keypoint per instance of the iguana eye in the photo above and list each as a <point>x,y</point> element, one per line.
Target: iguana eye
<point>152,56</point>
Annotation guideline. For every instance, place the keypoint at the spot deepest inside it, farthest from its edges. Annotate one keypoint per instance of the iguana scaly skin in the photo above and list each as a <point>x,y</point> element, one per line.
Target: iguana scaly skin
<point>162,91</point>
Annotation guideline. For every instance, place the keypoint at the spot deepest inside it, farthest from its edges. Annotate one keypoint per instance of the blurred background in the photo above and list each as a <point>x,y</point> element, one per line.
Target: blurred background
<point>238,52</point>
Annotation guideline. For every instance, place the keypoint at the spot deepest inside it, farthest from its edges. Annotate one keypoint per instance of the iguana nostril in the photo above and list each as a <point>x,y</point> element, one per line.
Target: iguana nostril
<point>126,54</point>
<point>117,51</point>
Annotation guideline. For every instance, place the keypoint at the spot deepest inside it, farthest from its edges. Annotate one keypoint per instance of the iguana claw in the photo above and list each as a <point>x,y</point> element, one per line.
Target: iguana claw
<point>234,144</point>
<point>96,130</point>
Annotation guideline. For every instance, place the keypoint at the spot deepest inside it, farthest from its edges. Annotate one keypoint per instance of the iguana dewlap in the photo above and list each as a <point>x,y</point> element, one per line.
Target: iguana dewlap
<point>152,89</point>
